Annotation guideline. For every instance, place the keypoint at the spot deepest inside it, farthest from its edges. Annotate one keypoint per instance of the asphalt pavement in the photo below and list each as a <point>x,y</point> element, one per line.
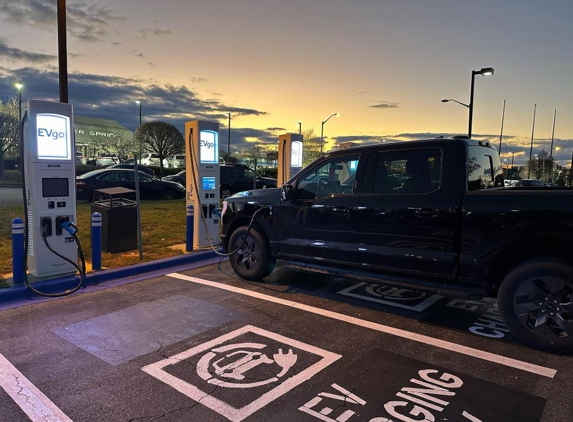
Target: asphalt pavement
<point>10,195</point>
<point>202,345</point>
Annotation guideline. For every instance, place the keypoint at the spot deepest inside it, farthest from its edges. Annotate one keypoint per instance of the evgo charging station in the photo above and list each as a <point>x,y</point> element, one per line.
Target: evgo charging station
<point>49,187</point>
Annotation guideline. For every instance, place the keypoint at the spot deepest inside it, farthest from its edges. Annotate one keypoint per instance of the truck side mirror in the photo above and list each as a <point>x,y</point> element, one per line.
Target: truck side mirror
<point>287,192</point>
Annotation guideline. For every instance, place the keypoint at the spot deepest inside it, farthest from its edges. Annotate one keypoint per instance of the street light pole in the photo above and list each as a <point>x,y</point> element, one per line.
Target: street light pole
<point>140,150</point>
<point>484,71</point>
<point>19,87</point>
<point>501,132</point>
<point>322,129</point>
<point>299,127</point>
<point>531,146</point>
<point>229,140</point>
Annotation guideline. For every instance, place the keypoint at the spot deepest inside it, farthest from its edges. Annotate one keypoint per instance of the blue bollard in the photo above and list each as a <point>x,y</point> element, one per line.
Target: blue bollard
<point>96,241</point>
<point>18,251</point>
<point>189,231</point>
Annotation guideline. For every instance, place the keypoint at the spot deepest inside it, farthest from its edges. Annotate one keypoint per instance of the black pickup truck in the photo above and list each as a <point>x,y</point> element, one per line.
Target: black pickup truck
<point>428,215</point>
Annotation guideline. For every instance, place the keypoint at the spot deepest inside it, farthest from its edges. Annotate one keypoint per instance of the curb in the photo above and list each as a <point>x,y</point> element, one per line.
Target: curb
<point>150,269</point>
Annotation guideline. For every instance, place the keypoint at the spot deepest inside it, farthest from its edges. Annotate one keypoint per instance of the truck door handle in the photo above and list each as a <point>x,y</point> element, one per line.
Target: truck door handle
<point>341,210</point>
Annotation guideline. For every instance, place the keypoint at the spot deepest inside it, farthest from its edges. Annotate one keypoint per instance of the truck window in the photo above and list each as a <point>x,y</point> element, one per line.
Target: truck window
<point>484,169</point>
<point>332,176</point>
<point>408,171</point>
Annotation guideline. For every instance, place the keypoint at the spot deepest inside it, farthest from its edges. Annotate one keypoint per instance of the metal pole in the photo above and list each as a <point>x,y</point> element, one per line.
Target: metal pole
<point>512,155</point>
<point>229,141</point>
<point>138,193</point>
<point>321,135</point>
<point>140,149</point>
<point>552,137</point>
<point>501,133</point>
<point>531,147</point>
<point>299,128</point>
<point>62,51</point>
<point>471,105</point>
<point>571,171</point>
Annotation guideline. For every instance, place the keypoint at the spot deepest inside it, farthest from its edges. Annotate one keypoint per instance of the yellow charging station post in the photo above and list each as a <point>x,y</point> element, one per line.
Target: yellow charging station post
<point>203,180</point>
<point>289,157</point>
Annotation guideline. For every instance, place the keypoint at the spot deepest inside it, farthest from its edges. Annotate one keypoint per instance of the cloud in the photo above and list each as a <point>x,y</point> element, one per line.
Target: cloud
<point>146,32</point>
<point>385,104</point>
<point>110,97</point>
<point>137,54</point>
<point>276,129</point>
<point>85,22</point>
<point>199,80</point>
<point>11,53</point>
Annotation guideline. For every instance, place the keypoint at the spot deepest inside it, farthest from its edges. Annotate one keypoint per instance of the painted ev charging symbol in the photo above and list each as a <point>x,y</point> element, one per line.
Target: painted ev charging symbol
<point>251,367</point>
<point>234,365</point>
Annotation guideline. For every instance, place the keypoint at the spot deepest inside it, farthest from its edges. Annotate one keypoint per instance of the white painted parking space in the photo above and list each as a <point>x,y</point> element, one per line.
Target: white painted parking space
<point>412,336</point>
<point>32,401</point>
<point>391,296</point>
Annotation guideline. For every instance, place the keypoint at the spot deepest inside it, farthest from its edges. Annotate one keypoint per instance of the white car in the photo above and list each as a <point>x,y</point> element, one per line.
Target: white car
<point>177,161</point>
<point>152,159</point>
<point>106,160</point>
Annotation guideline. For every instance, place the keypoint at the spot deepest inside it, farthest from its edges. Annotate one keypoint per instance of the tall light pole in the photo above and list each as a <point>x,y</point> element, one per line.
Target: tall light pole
<point>484,71</point>
<point>322,128</point>
<point>62,51</point>
<point>140,151</point>
<point>299,127</point>
<point>501,131</point>
<point>229,140</point>
<point>552,137</point>
<point>19,87</point>
<point>531,146</point>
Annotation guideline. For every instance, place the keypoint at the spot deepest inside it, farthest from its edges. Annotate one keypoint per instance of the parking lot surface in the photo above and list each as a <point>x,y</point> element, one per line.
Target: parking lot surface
<point>203,345</point>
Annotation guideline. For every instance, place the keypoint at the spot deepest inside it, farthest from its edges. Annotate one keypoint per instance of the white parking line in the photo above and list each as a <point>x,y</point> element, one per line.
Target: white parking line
<point>32,401</point>
<point>420,338</point>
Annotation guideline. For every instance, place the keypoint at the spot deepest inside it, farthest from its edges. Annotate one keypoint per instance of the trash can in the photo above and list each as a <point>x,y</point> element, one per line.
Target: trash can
<point>118,219</point>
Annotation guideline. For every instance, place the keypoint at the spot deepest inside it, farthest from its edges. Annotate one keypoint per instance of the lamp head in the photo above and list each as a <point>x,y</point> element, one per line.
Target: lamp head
<point>137,101</point>
<point>445,101</point>
<point>486,71</point>
<point>19,86</point>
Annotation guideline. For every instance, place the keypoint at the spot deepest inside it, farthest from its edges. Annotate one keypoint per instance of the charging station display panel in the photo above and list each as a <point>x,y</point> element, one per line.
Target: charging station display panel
<point>208,183</point>
<point>53,138</point>
<point>55,187</point>
<point>209,147</point>
<point>296,154</point>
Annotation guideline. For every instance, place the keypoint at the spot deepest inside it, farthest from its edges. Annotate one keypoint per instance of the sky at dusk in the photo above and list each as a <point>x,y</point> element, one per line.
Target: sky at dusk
<point>384,65</point>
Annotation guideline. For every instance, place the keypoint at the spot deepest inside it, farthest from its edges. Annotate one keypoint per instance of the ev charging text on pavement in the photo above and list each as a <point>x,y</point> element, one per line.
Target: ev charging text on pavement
<point>392,296</point>
<point>249,368</point>
<point>385,387</point>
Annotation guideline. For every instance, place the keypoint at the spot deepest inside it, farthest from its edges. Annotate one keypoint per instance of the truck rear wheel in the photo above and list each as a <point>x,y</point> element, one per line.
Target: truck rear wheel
<point>253,259</point>
<point>536,302</point>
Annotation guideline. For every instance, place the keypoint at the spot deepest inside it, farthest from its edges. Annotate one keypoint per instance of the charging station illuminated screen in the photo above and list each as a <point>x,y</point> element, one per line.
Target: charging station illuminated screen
<point>208,183</point>
<point>52,187</point>
<point>53,137</point>
<point>209,147</point>
<point>296,154</point>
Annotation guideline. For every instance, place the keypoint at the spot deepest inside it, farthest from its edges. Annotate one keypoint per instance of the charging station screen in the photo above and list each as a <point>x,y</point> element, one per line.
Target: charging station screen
<point>208,183</point>
<point>55,187</point>
<point>209,146</point>
<point>53,137</point>
<point>296,154</point>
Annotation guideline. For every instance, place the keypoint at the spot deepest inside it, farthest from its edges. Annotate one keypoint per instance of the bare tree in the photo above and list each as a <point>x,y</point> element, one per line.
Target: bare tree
<point>538,167</point>
<point>310,147</point>
<point>161,138</point>
<point>9,128</point>
<point>118,143</point>
<point>254,155</point>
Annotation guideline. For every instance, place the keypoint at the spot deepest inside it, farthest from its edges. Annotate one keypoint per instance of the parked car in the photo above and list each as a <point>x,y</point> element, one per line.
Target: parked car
<point>106,160</point>
<point>233,178</point>
<point>140,167</point>
<point>152,159</point>
<point>177,178</point>
<point>240,177</point>
<point>176,161</point>
<point>80,159</point>
<point>449,227</point>
<point>150,187</point>
<point>531,183</point>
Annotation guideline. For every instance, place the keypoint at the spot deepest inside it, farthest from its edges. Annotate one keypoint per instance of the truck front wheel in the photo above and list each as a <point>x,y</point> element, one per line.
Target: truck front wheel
<point>252,259</point>
<point>536,302</point>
